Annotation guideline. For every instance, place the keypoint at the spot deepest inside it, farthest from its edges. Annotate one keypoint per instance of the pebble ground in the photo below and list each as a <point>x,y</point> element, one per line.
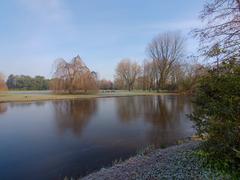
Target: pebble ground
<point>176,162</point>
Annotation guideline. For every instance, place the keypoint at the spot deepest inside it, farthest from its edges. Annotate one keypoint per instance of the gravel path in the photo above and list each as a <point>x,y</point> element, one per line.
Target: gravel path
<point>176,162</point>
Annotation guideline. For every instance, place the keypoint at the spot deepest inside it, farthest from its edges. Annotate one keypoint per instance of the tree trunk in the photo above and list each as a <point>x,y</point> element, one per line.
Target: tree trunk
<point>129,88</point>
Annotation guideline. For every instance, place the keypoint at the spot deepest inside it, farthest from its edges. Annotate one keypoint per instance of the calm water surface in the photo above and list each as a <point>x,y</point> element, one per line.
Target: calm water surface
<point>54,139</point>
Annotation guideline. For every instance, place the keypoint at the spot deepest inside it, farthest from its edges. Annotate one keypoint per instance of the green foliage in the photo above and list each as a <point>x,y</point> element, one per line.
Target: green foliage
<point>27,83</point>
<point>217,116</point>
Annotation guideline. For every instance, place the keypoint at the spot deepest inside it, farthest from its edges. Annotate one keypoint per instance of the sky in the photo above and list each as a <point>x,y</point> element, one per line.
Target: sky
<point>34,33</point>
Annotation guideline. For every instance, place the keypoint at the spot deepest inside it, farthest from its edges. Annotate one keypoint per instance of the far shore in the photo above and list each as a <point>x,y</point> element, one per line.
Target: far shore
<point>30,96</point>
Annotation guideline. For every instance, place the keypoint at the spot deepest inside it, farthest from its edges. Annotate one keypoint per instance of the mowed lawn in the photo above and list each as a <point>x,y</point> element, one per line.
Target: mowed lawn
<point>25,96</point>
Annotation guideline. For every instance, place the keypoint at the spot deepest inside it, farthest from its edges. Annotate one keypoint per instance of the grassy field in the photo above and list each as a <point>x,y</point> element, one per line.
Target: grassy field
<point>27,96</point>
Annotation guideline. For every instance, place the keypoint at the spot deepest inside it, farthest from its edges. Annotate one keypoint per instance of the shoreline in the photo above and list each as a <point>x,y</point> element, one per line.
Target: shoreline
<point>29,97</point>
<point>174,162</point>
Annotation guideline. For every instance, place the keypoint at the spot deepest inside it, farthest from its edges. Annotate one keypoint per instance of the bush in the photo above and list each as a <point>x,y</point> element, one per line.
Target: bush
<point>217,116</point>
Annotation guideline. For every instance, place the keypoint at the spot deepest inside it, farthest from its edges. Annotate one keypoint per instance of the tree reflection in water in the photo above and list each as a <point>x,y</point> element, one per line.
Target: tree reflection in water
<point>165,114</point>
<point>128,108</point>
<point>74,115</point>
<point>27,104</point>
<point>168,118</point>
<point>3,108</point>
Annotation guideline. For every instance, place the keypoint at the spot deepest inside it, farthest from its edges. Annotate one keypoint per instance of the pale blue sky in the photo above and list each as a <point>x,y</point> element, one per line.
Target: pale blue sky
<point>33,33</point>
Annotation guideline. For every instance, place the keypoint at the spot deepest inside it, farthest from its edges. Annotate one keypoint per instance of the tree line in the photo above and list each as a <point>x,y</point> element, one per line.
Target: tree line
<point>167,68</point>
<point>22,82</point>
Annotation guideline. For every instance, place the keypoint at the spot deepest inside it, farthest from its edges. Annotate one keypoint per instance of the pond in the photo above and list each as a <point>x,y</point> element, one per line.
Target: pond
<point>54,139</point>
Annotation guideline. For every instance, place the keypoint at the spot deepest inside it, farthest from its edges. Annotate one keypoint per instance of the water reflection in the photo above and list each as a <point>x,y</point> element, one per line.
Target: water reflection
<point>27,104</point>
<point>46,134</point>
<point>165,114</point>
<point>156,111</point>
<point>3,108</point>
<point>74,115</point>
<point>128,108</point>
<point>40,103</point>
<point>169,122</point>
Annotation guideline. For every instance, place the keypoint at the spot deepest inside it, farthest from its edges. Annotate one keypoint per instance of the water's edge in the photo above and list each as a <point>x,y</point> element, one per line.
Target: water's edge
<point>176,161</point>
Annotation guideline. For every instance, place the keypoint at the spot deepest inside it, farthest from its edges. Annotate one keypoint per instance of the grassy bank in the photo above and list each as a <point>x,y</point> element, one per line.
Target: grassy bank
<point>28,96</point>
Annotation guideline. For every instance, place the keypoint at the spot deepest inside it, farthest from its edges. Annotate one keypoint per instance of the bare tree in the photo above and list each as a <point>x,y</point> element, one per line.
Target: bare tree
<point>164,50</point>
<point>128,72</point>
<point>105,84</point>
<point>73,77</point>
<point>149,75</point>
<point>3,86</point>
<point>118,83</point>
<point>177,74</point>
<point>222,27</point>
<point>192,73</point>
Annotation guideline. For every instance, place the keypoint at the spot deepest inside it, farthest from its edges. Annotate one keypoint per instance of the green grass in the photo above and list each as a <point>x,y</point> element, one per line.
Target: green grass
<point>28,96</point>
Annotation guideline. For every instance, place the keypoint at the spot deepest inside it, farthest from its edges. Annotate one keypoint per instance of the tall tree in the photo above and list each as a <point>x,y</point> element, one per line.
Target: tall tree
<point>128,72</point>
<point>222,27</point>
<point>164,50</point>
<point>149,75</point>
<point>73,77</point>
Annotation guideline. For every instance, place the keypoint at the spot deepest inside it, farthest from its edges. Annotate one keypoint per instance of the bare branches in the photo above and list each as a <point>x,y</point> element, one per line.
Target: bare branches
<point>150,74</point>
<point>105,84</point>
<point>73,77</point>
<point>164,50</point>
<point>222,26</point>
<point>128,72</point>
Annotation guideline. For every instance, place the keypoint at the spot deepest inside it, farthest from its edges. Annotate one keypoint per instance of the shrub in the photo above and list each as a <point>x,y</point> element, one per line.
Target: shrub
<point>217,116</point>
